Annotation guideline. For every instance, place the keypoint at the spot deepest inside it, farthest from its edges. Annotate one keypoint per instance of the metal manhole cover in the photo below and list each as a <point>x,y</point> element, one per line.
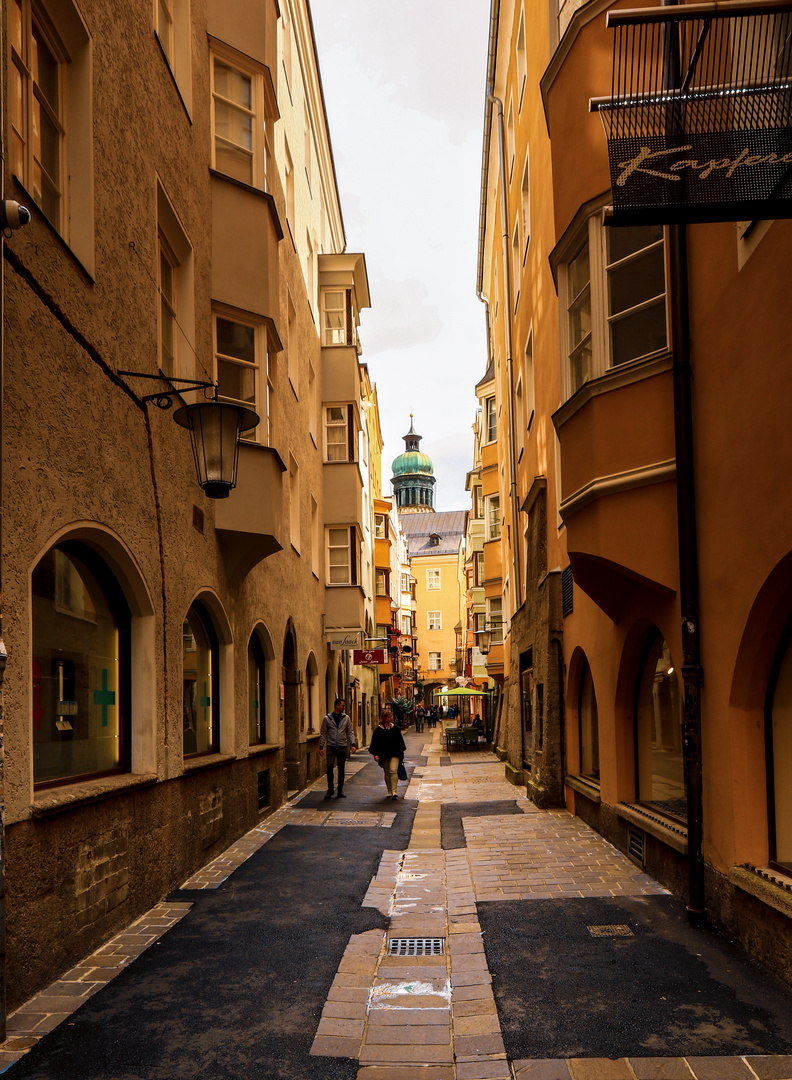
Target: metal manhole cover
<point>614,930</point>
<point>416,946</point>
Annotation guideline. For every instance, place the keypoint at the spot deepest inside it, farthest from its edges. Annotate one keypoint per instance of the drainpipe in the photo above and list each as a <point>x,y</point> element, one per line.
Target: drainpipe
<point>687,539</point>
<point>3,653</point>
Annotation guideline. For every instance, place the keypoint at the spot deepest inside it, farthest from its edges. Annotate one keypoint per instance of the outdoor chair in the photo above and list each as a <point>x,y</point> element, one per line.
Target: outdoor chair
<point>453,736</point>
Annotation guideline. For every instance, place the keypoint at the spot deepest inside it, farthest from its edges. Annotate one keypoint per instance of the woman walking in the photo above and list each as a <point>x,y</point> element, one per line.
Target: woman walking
<point>387,748</point>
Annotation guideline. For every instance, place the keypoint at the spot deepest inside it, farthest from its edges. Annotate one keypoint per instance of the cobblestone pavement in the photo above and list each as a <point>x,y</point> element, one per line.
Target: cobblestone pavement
<point>415,1001</point>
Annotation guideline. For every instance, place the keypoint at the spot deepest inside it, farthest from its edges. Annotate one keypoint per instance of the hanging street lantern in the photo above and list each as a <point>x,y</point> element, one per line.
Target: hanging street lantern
<point>215,428</point>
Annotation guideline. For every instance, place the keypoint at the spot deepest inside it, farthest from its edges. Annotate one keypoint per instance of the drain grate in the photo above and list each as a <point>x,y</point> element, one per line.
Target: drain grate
<point>416,946</point>
<point>614,930</point>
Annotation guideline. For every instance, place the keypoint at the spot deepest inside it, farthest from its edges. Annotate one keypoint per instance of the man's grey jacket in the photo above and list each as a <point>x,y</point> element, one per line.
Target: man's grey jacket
<point>337,731</point>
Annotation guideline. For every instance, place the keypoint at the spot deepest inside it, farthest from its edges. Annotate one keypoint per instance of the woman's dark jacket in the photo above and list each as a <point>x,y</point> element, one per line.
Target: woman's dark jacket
<point>387,743</point>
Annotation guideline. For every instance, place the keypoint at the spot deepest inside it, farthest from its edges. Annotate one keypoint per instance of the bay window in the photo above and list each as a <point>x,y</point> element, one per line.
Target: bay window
<point>613,288</point>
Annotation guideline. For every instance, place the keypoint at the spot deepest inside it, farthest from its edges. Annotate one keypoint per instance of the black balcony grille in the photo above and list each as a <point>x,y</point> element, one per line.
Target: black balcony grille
<point>566,591</point>
<point>699,118</point>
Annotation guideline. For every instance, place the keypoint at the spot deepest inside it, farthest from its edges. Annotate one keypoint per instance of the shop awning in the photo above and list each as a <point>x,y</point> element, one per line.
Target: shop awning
<point>699,118</point>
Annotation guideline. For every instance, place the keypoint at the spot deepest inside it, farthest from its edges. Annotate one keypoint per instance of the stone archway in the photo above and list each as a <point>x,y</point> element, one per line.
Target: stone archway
<point>292,678</point>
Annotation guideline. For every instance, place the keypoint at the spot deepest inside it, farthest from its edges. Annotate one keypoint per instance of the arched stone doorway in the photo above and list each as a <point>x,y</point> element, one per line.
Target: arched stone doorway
<point>292,678</point>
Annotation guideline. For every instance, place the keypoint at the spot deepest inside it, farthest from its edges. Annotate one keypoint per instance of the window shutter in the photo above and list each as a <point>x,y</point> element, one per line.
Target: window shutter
<point>351,432</point>
<point>566,591</point>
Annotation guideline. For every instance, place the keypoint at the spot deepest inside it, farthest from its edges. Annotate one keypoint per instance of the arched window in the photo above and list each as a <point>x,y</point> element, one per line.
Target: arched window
<point>257,697</point>
<point>778,721</point>
<point>201,715</point>
<point>660,774</point>
<point>81,647</point>
<point>589,729</point>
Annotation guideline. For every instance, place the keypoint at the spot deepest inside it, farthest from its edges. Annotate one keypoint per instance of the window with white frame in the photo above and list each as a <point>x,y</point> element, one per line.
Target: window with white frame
<point>50,146</point>
<point>405,583</point>
<point>516,263</point>
<point>493,517</point>
<point>522,69</point>
<point>288,169</point>
<point>434,620</point>
<point>510,140</point>
<point>172,26</point>
<point>316,547</point>
<point>294,503</point>
<point>380,526</point>
<point>525,203</point>
<point>342,555</point>
<point>435,661</point>
<point>495,618</point>
<point>432,579</point>
<point>338,433</point>
<point>337,317</point>
<point>406,626</point>
<point>529,391</point>
<point>382,583</point>
<point>176,293</point>
<point>614,290</point>
<point>479,568</point>
<point>491,419</point>
<point>242,369</point>
<point>237,119</point>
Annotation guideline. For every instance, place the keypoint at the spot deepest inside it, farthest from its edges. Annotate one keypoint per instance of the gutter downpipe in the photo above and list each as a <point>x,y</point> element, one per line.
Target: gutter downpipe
<point>491,100</point>
<point>687,537</point>
<point>3,653</point>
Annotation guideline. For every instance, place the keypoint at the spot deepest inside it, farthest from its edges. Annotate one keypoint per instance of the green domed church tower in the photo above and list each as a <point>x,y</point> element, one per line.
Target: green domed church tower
<point>413,477</point>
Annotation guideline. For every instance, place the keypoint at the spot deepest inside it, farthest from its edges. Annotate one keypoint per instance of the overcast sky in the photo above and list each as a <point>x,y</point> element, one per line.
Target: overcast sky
<point>404,87</point>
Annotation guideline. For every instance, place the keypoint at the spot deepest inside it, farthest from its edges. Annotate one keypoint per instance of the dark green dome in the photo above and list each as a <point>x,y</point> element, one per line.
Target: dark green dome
<point>411,462</point>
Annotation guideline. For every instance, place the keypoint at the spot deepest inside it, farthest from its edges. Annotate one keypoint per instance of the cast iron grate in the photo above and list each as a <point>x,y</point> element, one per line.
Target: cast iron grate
<point>614,930</point>
<point>411,946</point>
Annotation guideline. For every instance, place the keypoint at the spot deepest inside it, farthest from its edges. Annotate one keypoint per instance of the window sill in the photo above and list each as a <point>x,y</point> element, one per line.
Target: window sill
<point>57,799</point>
<point>262,748</point>
<point>663,829</point>
<point>613,379</point>
<point>207,761</point>
<point>770,886</point>
<point>312,736</point>
<point>584,787</point>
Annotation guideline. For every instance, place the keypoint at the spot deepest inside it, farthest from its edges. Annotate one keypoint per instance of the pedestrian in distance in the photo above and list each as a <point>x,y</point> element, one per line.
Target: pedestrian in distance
<point>338,737</point>
<point>387,748</point>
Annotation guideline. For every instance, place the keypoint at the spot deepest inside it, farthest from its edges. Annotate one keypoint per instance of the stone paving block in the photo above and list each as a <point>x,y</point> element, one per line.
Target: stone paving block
<point>345,1010</point>
<point>406,1055</point>
<point>346,1029</point>
<point>470,978</point>
<point>547,1069</point>
<point>600,1069</point>
<point>423,1035</point>
<point>326,1046</point>
<point>407,1016</point>
<point>771,1068</point>
<point>653,1068</point>
<point>8,1058</point>
<point>348,993</point>
<point>716,1068</point>
<point>471,992</point>
<point>476,1025</point>
<point>470,1047</point>
<point>405,1072</point>
<point>476,1007</point>
<point>483,1070</point>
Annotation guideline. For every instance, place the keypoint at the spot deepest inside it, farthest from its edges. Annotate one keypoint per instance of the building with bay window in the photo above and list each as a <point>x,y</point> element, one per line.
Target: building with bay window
<point>168,662</point>
<point>633,452</point>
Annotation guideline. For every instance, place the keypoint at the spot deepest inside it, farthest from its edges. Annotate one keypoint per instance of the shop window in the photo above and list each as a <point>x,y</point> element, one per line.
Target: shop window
<point>200,664</point>
<point>779,752</point>
<point>660,775</point>
<point>588,727</point>
<point>81,648</point>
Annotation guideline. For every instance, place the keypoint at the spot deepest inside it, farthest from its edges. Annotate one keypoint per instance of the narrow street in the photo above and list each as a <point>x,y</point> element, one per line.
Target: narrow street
<point>546,955</point>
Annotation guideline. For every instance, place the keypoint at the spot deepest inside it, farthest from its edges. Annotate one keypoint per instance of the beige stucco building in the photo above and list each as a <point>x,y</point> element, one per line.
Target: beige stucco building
<point>168,666</point>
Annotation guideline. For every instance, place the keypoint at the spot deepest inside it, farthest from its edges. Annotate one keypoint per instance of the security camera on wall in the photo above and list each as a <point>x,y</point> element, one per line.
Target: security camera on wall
<point>12,215</point>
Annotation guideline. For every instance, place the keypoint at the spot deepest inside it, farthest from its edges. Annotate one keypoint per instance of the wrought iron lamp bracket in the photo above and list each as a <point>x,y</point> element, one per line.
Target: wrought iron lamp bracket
<point>162,399</point>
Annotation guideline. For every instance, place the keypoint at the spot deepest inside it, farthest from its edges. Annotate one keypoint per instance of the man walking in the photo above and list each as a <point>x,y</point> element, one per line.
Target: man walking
<point>338,736</point>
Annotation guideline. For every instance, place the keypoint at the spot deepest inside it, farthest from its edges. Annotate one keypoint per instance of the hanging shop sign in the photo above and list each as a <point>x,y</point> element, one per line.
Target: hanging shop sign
<point>368,656</point>
<point>699,123</point>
